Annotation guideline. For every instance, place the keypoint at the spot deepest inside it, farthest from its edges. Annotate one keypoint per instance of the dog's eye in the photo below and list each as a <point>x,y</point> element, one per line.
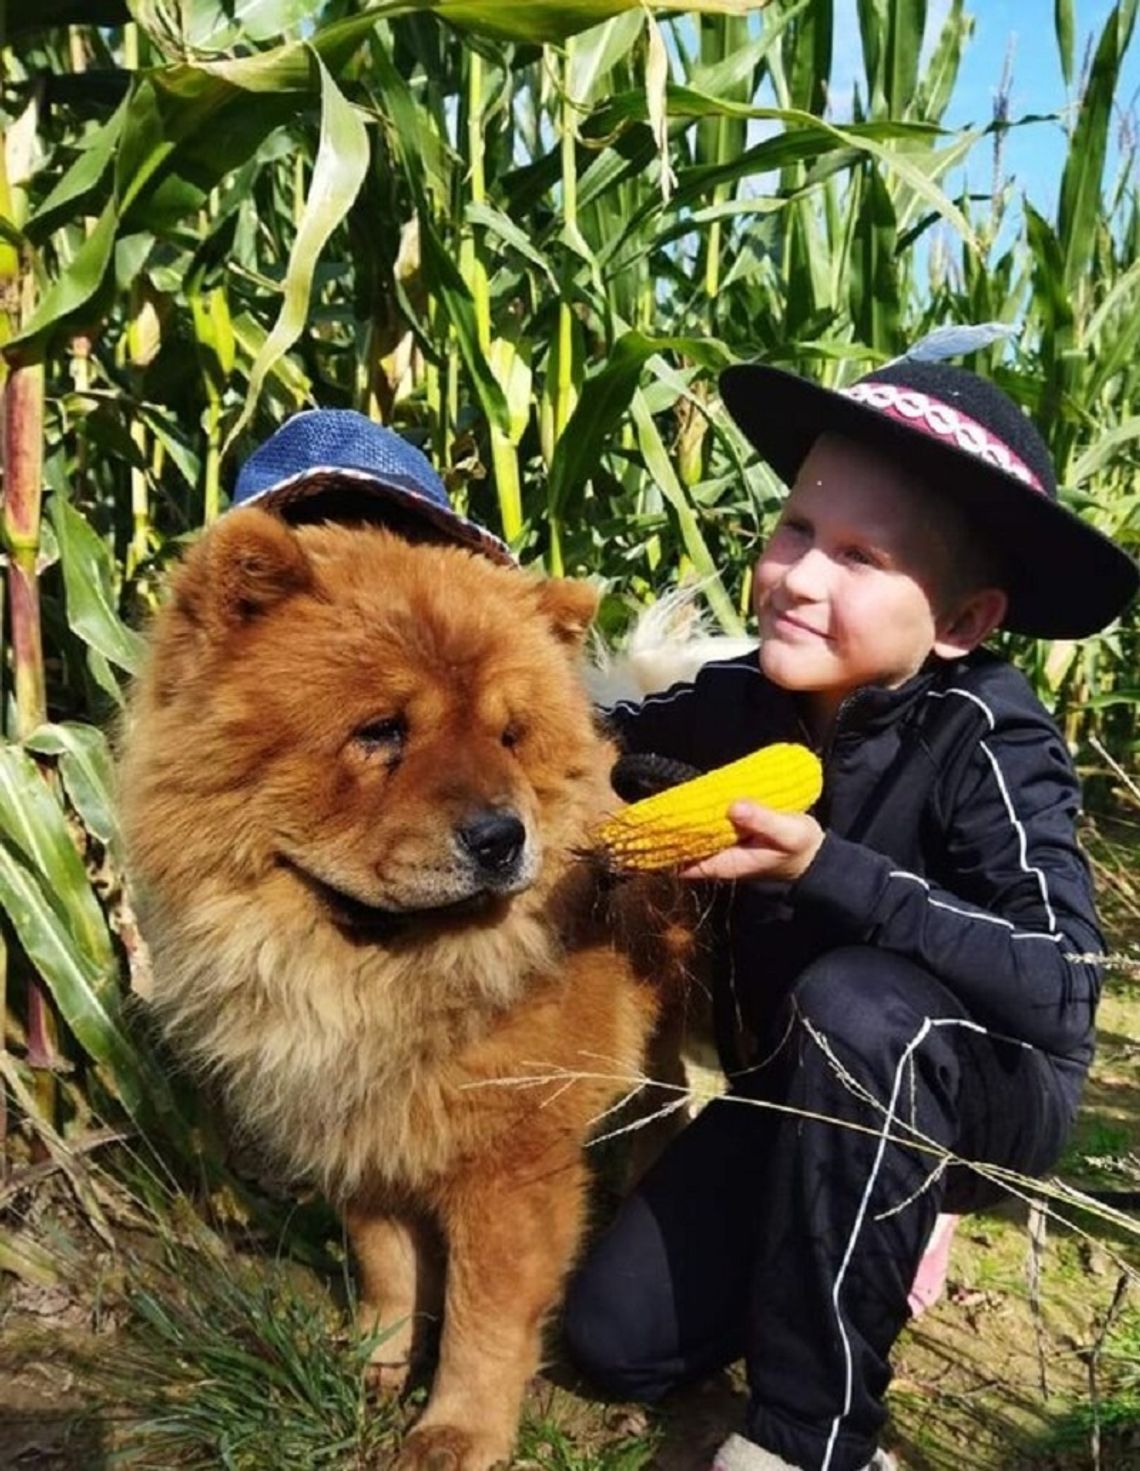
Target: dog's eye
<point>512,735</point>
<point>386,736</point>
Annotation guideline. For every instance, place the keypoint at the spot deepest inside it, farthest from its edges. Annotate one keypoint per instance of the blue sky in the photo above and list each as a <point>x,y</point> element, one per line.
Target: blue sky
<point>1035,154</point>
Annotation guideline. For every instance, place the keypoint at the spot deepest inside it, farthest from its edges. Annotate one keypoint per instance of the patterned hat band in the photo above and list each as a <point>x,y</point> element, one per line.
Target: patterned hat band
<point>943,422</point>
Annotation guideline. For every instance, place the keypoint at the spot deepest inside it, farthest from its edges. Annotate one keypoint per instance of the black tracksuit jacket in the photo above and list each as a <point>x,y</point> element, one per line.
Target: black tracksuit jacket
<point>949,808</point>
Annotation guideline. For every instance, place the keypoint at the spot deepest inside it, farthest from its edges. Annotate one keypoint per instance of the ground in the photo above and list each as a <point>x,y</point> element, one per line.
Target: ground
<point>985,1380</point>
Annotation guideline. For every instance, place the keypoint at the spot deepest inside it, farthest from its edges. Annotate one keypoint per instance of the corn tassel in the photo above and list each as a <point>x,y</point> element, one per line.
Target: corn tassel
<point>689,822</point>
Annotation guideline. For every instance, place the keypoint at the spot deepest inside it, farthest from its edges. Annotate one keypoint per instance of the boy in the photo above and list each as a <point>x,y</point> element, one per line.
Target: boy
<point>917,959</point>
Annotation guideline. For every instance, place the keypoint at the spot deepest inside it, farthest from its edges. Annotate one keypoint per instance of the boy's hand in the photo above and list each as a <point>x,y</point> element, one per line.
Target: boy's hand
<point>772,845</point>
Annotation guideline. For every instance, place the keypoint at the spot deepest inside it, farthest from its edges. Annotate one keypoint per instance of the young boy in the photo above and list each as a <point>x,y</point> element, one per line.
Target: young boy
<point>917,959</point>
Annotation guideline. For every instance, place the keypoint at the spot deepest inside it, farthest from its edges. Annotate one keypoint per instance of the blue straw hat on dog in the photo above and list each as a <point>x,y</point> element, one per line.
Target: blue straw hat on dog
<point>322,460</point>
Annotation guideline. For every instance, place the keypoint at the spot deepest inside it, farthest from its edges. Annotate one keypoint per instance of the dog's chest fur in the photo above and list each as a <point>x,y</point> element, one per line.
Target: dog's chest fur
<point>355,1064</point>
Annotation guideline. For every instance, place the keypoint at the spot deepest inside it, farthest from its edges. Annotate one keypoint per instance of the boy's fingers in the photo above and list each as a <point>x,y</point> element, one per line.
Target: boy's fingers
<point>783,829</point>
<point>731,863</point>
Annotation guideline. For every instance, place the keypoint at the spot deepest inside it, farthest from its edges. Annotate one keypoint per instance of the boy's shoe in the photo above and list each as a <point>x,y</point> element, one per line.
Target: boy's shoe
<point>930,1279</point>
<point>738,1454</point>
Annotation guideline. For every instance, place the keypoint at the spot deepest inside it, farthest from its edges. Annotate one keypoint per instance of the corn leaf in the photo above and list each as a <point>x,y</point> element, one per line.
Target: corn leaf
<point>32,820</point>
<point>215,25</point>
<point>71,292</point>
<point>1081,182</point>
<point>661,470</point>
<point>86,768</point>
<point>1065,27</point>
<point>88,582</point>
<point>605,397</point>
<point>342,159</point>
<point>87,1004</point>
<point>544,21</point>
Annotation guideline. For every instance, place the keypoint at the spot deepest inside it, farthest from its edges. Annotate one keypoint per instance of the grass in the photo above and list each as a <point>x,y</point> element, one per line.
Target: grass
<point>1114,1414</point>
<point>238,1362</point>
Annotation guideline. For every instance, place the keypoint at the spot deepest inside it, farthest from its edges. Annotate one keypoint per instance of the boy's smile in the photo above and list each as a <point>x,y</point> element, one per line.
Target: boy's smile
<point>848,591</point>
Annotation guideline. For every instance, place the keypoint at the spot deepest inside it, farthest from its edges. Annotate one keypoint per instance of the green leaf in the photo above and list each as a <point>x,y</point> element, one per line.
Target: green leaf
<point>1103,449</point>
<point>98,151</point>
<point>1066,36</point>
<point>75,288</point>
<point>804,137</point>
<point>88,583</point>
<point>545,21</point>
<point>86,1002</point>
<point>87,770</point>
<point>505,228</point>
<point>807,56</point>
<point>874,284</point>
<point>32,819</point>
<point>661,471</point>
<point>215,25</point>
<point>1081,181</point>
<point>442,275</point>
<point>604,399</point>
<point>905,28</point>
<point>249,337</point>
<point>597,51</point>
<point>341,163</point>
<point>937,82</point>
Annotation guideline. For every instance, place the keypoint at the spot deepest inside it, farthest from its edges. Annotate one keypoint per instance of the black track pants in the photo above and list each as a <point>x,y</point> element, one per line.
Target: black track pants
<point>793,1242</point>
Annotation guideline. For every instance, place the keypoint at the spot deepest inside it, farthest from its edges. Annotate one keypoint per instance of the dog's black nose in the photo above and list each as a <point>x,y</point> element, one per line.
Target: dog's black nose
<point>495,839</point>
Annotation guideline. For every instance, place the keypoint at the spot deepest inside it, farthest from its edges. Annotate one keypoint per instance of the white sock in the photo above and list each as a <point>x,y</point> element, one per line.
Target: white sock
<point>738,1454</point>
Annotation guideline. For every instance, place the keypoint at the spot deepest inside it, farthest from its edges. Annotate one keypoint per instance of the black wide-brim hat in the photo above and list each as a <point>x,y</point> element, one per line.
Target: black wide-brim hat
<point>967,440</point>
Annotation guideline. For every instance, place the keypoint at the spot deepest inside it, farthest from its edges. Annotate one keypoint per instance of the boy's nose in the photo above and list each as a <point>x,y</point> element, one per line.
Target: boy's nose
<point>806,578</point>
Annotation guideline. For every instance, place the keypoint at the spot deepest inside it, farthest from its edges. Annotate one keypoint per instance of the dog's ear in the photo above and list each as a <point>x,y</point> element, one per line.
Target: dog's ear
<point>242,567</point>
<point>245,565</point>
<point>569,606</point>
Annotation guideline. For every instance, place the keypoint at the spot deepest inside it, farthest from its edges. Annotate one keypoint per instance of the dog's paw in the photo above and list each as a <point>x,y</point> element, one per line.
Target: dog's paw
<point>387,1379</point>
<point>447,1448</point>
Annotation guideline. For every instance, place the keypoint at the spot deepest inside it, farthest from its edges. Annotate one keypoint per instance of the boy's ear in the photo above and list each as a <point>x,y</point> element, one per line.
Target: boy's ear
<point>970,622</point>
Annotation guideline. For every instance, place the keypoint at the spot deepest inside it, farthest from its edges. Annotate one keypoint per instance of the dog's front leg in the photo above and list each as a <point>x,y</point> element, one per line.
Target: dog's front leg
<point>510,1241</point>
<point>401,1290</point>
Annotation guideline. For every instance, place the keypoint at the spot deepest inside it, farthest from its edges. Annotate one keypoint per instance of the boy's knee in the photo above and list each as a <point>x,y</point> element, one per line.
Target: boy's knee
<point>868,1001</point>
<point>601,1343</point>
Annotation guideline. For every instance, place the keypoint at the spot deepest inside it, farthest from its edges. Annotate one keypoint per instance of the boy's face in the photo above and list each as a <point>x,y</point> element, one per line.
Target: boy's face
<point>845,590</point>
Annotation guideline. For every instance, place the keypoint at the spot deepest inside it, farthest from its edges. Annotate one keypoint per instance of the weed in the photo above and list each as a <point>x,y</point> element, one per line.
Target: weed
<point>543,1446</point>
<point>233,1364</point>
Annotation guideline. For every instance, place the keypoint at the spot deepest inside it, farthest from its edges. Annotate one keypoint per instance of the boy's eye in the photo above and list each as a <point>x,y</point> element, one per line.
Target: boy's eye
<point>791,532</point>
<point>861,557</point>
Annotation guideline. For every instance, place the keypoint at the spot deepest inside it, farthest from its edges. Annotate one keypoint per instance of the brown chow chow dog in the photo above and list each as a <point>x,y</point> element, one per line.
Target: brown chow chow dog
<point>356,783</point>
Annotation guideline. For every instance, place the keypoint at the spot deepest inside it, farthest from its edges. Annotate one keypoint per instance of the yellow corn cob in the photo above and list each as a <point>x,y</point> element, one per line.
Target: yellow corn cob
<point>686,823</point>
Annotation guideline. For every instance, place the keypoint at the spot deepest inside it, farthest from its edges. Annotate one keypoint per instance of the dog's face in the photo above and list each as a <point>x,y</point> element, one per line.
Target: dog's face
<point>401,729</point>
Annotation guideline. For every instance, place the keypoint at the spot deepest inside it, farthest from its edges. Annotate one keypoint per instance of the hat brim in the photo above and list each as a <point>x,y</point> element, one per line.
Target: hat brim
<point>1069,580</point>
<point>288,495</point>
